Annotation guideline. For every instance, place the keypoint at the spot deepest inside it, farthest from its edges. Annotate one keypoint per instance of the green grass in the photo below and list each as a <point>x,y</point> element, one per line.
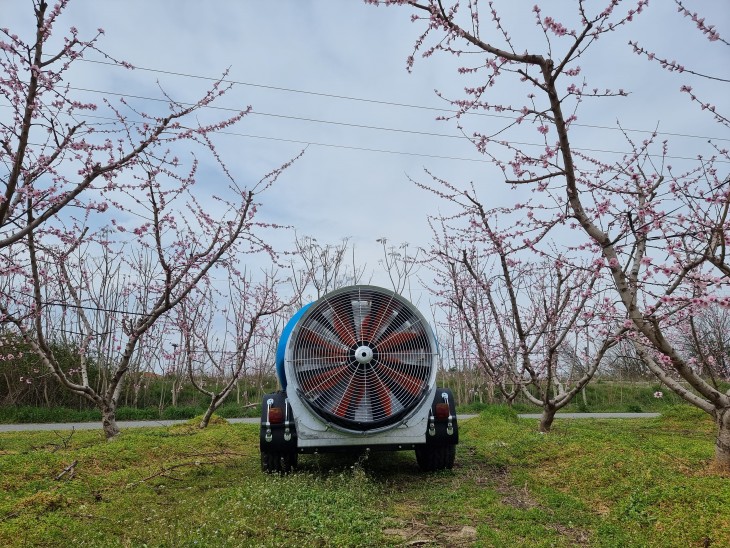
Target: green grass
<point>589,483</point>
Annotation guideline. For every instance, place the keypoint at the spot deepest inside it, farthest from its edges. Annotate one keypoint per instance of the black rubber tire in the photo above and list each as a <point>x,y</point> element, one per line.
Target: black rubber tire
<point>279,462</point>
<point>432,458</point>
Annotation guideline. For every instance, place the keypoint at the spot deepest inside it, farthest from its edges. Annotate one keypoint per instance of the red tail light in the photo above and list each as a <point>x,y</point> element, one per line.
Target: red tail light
<point>442,411</point>
<point>276,415</point>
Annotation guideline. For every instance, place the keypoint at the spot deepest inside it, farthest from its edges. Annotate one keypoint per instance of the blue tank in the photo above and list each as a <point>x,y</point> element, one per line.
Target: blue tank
<point>281,348</point>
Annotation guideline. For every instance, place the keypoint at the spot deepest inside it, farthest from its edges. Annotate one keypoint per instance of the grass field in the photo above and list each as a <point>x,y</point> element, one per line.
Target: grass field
<point>588,483</point>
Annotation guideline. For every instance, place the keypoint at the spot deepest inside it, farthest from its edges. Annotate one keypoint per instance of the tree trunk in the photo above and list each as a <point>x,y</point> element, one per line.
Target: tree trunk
<point>161,405</point>
<point>215,402</point>
<point>109,421</point>
<point>546,421</point>
<point>173,392</point>
<point>208,414</point>
<point>136,386</point>
<point>722,443</point>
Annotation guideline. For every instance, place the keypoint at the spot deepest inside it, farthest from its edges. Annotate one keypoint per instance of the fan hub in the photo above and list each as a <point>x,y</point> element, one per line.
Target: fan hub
<point>363,354</point>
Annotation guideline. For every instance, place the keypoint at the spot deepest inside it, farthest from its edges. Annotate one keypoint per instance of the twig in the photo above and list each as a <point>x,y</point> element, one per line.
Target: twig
<point>11,515</point>
<point>70,469</point>
<point>163,472</point>
<point>214,454</point>
<point>64,441</point>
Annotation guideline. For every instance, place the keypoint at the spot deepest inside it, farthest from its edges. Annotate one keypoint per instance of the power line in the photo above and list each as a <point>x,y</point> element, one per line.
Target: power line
<point>436,156</point>
<point>361,126</point>
<point>95,308</point>
<point>283,116</point>
<point>306,143</point>
<point>383,102</point>
<point>362,149</point>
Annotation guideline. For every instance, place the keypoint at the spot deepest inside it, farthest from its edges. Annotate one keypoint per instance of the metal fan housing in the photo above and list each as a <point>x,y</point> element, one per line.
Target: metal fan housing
<point>358,370</point>
<point>361,358</point>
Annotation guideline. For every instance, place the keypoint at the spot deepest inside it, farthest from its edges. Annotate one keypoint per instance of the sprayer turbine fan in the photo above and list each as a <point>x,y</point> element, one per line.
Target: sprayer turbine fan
<point>362,356</point>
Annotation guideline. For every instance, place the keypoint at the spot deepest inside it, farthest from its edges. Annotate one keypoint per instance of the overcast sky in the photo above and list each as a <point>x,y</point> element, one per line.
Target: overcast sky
<point>313,70</point>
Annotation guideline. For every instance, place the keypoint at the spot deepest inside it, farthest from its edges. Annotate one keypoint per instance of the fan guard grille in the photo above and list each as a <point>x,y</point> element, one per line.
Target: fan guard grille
<point>362,357</point>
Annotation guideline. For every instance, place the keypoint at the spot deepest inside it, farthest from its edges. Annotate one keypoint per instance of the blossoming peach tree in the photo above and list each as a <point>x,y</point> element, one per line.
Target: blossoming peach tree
<point>657,236</point>
<point>522,315</point>
<point>221,343</point>
<point>98,201</point>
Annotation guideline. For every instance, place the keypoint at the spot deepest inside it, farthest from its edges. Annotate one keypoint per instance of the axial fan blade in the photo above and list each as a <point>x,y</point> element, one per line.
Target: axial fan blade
<point>354,389</point>
<point>399,362</point>
<point>323,344</point>
<point>379,310</point>
<point>382,395</point>
<point>408,382</point>
<point>343,324</point>
<point>325,380</point>
<point>396,340</point>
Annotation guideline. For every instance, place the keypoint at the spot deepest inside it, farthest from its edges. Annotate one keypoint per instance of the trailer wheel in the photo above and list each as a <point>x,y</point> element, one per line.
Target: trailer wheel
<point>432,458</point>
<point>282,462</point>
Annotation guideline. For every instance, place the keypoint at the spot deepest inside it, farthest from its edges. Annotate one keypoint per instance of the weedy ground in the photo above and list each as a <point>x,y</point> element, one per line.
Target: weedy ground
<point>599,483</point>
